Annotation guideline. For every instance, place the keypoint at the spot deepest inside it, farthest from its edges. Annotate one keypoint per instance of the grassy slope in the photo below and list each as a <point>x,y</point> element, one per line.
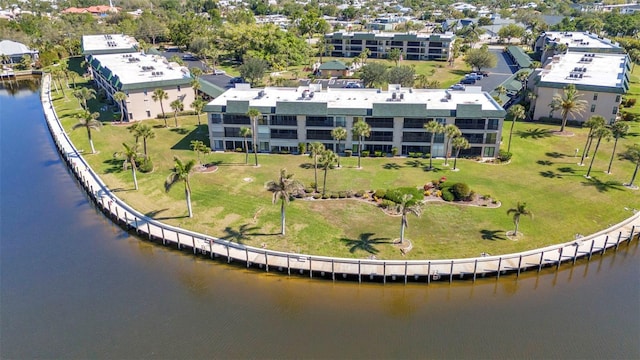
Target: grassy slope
<point>543,173</point>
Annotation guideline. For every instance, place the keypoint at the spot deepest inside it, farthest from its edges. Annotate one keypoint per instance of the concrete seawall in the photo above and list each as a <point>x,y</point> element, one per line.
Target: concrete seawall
<point>321,266</point>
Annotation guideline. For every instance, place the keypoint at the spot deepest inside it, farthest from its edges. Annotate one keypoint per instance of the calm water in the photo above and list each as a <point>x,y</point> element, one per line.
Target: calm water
<point>72,285</point>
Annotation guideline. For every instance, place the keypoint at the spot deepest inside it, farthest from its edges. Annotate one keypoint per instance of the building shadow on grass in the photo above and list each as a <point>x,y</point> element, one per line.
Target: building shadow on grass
<point>603,186</point>
<point>365,242</point>
<point>493,235</point>
<point>185,142</point>
<point>391,166</point>
<point>536,133</point>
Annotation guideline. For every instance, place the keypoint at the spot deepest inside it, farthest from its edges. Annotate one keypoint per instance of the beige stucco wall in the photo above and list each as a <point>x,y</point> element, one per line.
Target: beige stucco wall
<point>604,105</point>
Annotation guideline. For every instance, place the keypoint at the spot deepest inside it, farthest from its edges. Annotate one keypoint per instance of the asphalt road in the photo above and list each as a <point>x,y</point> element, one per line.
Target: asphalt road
<point>498,74</point>
<point>222,80</point>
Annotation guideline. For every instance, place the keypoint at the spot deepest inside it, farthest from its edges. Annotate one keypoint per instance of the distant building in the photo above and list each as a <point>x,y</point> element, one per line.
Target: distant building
<point>575,42</point>
<point>138,75</point>
<point>413,46</point>
<point>334,68</point>
<point>15,51</point>
<point>308,114</point>
<point>108,44</point>
<point>97,11</point>
<point>600,78</point>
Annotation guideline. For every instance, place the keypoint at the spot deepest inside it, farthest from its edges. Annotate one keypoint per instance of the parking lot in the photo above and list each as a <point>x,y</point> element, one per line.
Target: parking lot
<point>498,74</point>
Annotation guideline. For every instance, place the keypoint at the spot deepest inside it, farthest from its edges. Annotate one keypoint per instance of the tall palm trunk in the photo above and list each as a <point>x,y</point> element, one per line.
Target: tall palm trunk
<point>564,122</point>
<point>359,150</point>
<point>255,140</point>
<point>246,151</point>
<point>403,224</point>
<point>324,182</point>
<point>93,150</point>
<point>615,144</point>
<point>633,177</point>
<point>594,156</point>
<point>431,151</point>
<point>163,115</point>
<point>587,147</point>
<point>282,216</point>
<point>455,160</point>
<point>337,153</point>
<point>187,194</point>
<point>135,178</point>
<point>510,134</point>
<point>144,144</point>
<point>315,171</point>
<point>517,222</point>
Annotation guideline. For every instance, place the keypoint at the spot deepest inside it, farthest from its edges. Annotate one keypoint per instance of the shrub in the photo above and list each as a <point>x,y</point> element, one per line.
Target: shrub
<point>504,156</point>
<point>312,185</point>
<point>377,153</point>
<point>365,153</point>
<point>347,153</point>
<point>342,194</point>
<point>360,193</point>
<point>146,165</point>
<point>394,151</point>
<point>396,194</point>
<point>460,191</point>
<point>419,154</point>
<point>380,193</point>
<point>486,197</point>
<point>325,196</point>
<point>238,149</point>
<point>302,148</point>
<point>426,155</point>
<point>333,196</point>
<point>427,193</point>
<point>349,193</point>
<point>308,190</point>
<point>317,196</point>
<point>472,196</point>
<point>428,186</point>
<point>387,204</point>
<point>447,196</point>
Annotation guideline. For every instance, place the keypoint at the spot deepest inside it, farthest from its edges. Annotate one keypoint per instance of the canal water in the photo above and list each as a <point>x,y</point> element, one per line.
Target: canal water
<point>73,285</point>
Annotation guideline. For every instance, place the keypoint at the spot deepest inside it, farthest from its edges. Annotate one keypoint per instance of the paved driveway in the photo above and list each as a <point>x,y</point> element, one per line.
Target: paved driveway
<point>503,69</point>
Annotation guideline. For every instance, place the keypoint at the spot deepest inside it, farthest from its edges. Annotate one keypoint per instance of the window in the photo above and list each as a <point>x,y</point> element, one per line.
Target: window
<point>593,108</point>
<point>179,88</point>
<point>490,138</point>
<point>410,123</point>
<point>341,121</point>
<point>489,151</point>
<point>289,120</point>
<point>216,118</point>
<point>237,119</point>
<point>284,133</point>
<point>148,113</point>
<point>615,110</point>
<point>470,123</point>
<point>493,124</point>
<point>415,137</point>
<point>319,121</point>
<point>232,132</point>
<point>381,136</point>
<point>380,122</point>
<point>617,98</point>
<point>595,96</point>
<point>319,135</point>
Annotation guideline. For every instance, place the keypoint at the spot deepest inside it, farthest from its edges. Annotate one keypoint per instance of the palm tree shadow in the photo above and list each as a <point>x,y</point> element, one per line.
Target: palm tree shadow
<point>492,234</point>
<point>555,155</point>
<point>365,243</point>
<point>391,166</point>
<point>115,166</point>
<point>306,166</point>
<point>567,170</point>
<point>603,186</point>
<point>550,174</point>
<point>536,133</point>
<point>544,162</point>
<point>154,215</point>
<point>240,235</point>
<point>416,163</point>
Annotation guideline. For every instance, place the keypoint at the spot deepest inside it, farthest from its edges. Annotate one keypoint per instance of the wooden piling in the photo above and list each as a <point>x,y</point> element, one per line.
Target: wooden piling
<point>193,242</point>
<point>593,241</point>
<point>499,266</point>
<point>451,273</point>
<point>333,273</point>
<point>618,241</point>
<point>266,261</point>
<point>519,265</point>
<point>559,258</point>
<point>475,268</point>
<point>288,266</point>
<point>604,247</point>
<point>406,264</point>
<point>359,273</point>
<point>428,272</point>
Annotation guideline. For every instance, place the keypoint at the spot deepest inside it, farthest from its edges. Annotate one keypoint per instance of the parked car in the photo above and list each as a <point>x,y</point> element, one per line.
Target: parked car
<point>457,87</point>
<point>189,57</point>
<point>483,73</point>
<point>468,81</point>
<point>353,85</point>
<point>218,72</point>
<point>236,80</point>
<point>474,76</point>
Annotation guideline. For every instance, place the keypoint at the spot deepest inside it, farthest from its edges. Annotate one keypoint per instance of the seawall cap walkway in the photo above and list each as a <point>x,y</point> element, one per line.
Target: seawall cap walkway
<point>415,270</point>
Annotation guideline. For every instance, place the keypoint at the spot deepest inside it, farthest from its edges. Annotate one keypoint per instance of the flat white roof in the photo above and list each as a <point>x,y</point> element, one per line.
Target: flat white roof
<point>599,69</point>
<point>577,40</point>
<point>133,68</point>
<point>434,99</point>
<point>112,42</point>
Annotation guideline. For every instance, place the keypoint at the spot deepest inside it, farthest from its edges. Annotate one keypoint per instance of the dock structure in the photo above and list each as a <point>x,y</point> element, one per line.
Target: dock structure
<point>324,267</point>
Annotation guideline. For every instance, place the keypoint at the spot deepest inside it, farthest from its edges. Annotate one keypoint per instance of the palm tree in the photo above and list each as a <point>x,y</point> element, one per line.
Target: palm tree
<point>283,189</point>
<point>197,146</point>
<point>328,159</point>
<point>601,132</point>
<point>120,97</point>
<point>130,155</point>
<point>83,95</point>
<point>434,128</point>
<point>618,130</point>
<point>361,130</point>
<point>145,132</point>
<point>89,122</point>
<point>177,106</point>
<point>254,115</point>
<point>516,113</point>
<point>450,131</point>
<point>593,123</point>
<point>518,211</point>
<point>632,154</point>
<point>459,143</point>
<point>501,90</point>
<point>339,134</point>
<point>181,172</point>
<point>406,207</point>
<point>195,85</point>
<point>568,104</point>
<point>522,77</point>
<point>315,150</point>
<point>159,95</point>
<point>197,105</point>
<point>245,132</point>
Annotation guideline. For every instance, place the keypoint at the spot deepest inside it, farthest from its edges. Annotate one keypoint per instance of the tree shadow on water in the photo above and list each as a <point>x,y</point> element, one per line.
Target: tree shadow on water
<point>365,243</point>
<point>492,234</point>
<point>534,133</point>
<point>603,186</point>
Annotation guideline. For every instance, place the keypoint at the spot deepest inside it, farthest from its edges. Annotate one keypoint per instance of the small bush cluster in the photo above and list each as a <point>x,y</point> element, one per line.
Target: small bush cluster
<point>629,102</point>
<point>504,156</point>
<point>418,155</point>
<point>146,165</point>
<point>397,194</point>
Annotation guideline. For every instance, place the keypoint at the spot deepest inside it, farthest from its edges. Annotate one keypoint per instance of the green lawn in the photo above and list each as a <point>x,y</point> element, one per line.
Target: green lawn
<point>232,202</point>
